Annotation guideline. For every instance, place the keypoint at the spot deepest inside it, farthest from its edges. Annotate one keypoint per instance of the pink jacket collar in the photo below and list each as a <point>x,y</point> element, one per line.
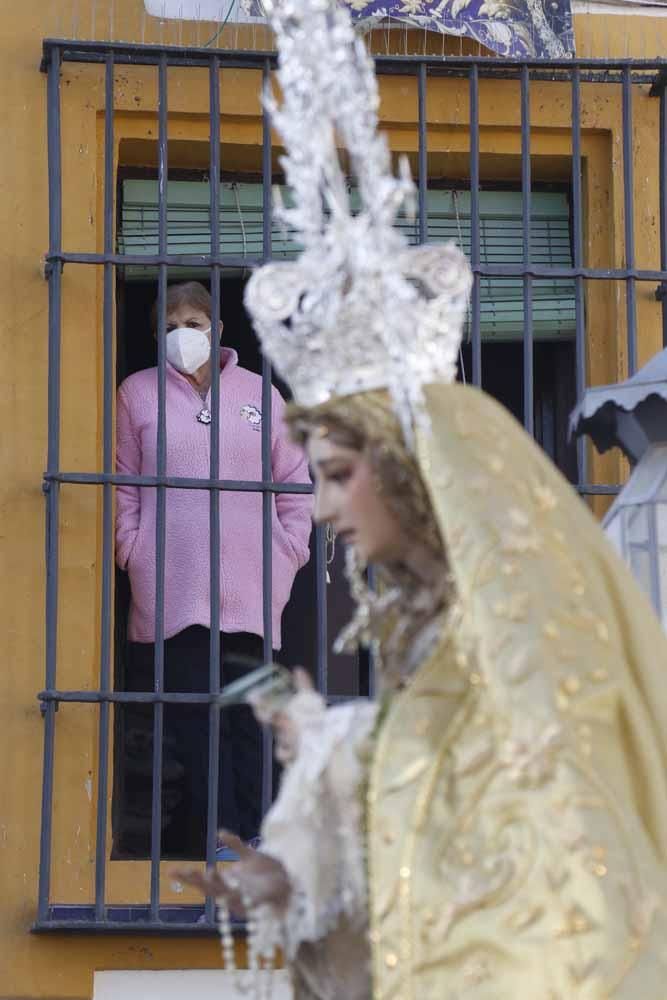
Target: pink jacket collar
<point>229,360</point>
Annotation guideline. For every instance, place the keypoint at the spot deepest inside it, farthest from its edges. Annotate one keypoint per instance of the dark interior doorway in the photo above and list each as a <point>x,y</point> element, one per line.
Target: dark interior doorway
<point>554,390</point>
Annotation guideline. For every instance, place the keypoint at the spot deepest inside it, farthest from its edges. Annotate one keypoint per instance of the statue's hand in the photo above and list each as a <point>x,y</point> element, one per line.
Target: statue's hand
<point>255,878</point>
<point>285,728</point>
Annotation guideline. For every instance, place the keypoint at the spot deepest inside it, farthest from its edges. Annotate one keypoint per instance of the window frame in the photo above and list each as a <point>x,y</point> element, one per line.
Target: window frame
<point>101,915</point>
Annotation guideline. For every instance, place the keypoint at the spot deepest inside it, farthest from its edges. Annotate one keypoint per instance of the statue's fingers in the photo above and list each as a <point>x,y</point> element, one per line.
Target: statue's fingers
<point>235,844</point>
<point>208,882</point>
<point>302,679</point>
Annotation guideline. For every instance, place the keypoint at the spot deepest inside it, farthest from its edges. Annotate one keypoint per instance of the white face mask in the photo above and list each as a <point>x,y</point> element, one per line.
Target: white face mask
<point>188,349</point>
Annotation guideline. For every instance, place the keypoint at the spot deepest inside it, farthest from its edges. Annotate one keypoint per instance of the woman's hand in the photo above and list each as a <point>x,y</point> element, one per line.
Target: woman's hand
<point>285,729</point>
<point>255,878</point>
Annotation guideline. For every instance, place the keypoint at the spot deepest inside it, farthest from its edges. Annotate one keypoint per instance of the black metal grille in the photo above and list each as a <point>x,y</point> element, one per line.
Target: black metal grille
<point>623,74</point>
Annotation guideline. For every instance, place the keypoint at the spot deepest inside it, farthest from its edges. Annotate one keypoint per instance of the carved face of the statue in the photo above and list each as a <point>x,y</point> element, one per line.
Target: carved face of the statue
<point>348,496</point>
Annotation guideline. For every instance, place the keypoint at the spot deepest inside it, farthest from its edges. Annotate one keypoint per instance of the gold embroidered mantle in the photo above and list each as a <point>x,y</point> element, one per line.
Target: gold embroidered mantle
<point>517,802</point>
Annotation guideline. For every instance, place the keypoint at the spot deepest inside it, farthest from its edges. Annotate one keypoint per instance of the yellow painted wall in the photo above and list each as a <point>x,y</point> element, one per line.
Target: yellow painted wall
<point>58,967</point>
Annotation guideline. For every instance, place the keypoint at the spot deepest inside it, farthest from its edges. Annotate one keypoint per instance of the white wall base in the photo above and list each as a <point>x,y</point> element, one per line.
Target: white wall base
<point>199,984</point>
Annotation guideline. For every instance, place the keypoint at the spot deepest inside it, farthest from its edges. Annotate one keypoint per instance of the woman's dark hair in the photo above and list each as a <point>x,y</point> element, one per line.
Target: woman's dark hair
<point>187,293</point>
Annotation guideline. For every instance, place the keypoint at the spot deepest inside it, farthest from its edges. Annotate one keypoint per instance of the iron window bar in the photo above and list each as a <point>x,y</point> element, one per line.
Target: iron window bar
<point>483,270</point>
<point>52,466</point>
<point>140,697</point>
<point>107,500</point>
<point>175,482</point>
<point>155,916</point>
<point>475,227</point>
<point>142,54</point>
<point>214,474</point>
<point>578,256</point>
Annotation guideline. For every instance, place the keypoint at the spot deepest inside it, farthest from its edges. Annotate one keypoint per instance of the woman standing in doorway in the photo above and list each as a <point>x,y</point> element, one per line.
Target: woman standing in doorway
<point>187,598</point>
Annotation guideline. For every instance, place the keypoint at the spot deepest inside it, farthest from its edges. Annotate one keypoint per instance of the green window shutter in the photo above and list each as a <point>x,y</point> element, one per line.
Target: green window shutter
<point>501,242</point>
<point>448,218</point>
<point>188,228</point>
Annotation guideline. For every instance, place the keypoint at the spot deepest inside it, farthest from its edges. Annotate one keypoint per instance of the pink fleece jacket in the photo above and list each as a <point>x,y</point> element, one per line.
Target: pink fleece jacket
<point>187,591</point>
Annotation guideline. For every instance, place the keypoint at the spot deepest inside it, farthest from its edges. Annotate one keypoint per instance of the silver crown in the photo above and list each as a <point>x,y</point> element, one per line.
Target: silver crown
<point>359,309</point>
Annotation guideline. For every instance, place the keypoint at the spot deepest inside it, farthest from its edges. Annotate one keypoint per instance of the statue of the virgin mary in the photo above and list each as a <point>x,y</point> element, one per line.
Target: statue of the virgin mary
<point>494,825</point>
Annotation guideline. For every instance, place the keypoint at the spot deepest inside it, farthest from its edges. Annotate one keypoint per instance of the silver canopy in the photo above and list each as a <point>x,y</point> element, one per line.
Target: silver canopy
<point>630,414</point>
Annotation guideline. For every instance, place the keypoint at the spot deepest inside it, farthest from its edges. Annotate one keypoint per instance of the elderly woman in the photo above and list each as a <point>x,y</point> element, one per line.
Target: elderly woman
<point>187,598</point>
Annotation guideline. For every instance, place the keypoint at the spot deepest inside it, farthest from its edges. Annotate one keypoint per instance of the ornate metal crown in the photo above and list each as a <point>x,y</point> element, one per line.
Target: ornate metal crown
<point>359,309</point>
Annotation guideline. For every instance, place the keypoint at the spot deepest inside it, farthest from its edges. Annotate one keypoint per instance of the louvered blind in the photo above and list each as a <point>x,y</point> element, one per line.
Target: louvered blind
<point>448,218</point>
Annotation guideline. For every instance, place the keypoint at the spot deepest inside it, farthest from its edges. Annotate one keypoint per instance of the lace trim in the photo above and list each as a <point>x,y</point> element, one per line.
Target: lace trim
<point>315,828</point>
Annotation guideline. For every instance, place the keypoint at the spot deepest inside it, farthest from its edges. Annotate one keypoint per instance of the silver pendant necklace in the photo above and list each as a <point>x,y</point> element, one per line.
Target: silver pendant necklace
<point>204,415</point>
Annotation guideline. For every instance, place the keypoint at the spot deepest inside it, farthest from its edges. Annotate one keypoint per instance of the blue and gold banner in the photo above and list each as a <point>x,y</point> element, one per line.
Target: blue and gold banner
<point>539,29</point>
<point>523,29</point>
